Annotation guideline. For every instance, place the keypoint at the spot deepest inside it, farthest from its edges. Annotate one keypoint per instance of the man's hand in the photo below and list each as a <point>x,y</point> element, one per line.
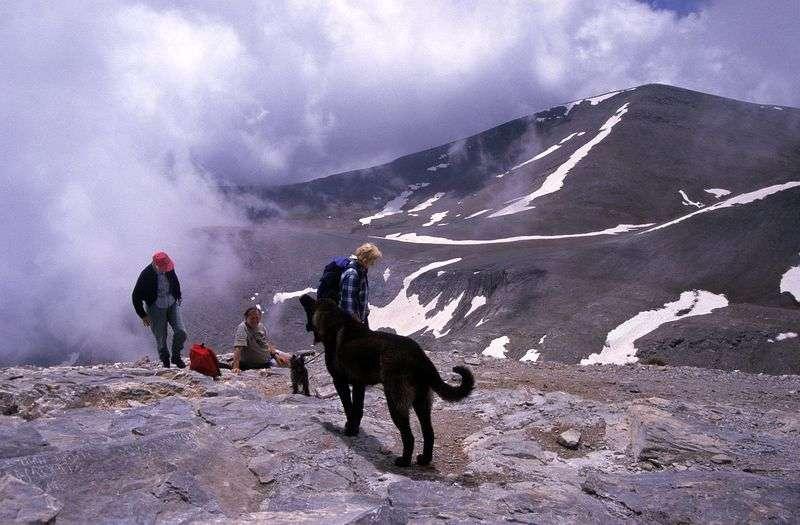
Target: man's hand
<point>146,320</point>
<point>236,370</point>
<point>282,358</point>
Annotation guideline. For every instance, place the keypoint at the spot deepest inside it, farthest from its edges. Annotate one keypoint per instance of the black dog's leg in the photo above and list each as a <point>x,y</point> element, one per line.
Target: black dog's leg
<point>358,406</point>
<point>399,412</point>
<point>305,384</point>
<point>422,406</point>
<point>343,389</point>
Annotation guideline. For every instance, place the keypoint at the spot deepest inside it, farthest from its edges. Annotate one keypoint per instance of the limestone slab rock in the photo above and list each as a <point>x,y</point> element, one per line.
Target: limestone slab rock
<point>151,446</point>
<point>22,502</point>
<point>698,497</point>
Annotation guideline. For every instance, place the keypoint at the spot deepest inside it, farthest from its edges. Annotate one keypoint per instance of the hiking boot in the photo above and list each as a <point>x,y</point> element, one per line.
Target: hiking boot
<point>177,361</point>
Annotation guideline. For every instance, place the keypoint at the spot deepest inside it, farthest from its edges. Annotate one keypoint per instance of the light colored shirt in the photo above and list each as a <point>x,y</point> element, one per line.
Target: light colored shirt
<point>164,299</point>
<point>254,344</point>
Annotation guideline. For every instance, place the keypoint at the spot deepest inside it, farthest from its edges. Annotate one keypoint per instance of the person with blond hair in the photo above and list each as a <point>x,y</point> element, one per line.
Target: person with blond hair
<point>354,284</point>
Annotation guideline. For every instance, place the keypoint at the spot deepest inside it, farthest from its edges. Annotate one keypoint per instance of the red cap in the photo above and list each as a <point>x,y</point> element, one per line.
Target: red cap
<point>163,262</point>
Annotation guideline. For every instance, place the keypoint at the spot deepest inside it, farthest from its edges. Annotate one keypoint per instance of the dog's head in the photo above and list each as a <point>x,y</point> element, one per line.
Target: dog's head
<point>322,317</point>
<point>297,361</point>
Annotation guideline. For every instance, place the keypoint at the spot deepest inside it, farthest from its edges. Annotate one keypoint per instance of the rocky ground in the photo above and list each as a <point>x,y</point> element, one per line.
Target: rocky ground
<point>535,443</point>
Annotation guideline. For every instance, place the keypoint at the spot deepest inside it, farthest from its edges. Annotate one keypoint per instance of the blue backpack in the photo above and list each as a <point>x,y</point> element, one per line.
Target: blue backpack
<point>329,283</point>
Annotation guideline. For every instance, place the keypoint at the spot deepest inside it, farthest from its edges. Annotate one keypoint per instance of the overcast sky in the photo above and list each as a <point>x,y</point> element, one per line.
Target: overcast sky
<point>118,118</point>
<point>285,91</point>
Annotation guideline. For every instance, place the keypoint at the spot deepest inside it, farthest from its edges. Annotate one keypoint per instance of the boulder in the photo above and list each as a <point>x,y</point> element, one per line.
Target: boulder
<point>570,439</point>
<point>658,437</point>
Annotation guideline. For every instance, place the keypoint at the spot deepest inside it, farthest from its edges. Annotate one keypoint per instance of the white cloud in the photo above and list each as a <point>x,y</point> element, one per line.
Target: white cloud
<point>346,84</point>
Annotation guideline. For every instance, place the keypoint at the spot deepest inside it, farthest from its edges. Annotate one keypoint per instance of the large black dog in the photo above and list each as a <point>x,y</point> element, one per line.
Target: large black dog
<point>358,356</point>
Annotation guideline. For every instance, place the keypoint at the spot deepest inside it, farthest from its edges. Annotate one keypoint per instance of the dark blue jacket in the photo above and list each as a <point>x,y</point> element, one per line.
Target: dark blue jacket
<point>146,288</point>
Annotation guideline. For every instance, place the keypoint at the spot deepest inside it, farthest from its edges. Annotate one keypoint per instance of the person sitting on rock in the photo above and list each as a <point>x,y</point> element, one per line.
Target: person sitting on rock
<point>251,348</point>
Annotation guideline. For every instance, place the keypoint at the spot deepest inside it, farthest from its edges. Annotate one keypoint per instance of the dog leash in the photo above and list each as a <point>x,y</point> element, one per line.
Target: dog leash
<point>312,359</point>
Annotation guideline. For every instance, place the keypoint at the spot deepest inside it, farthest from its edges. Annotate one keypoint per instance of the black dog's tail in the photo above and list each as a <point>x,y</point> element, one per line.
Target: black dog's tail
<point>454,393</point>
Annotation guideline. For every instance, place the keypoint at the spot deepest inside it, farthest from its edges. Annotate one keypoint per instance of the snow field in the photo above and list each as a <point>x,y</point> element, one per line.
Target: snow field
<point>407,315</point>
<point>783,336</point>
<point>594,100</point>
<point>394,206</point>
<point>744,198</point>
<point>532,355</point>
<point>497,348</point>
<point>718,192</point>
<point>427,204</point>
<point>619,348</point>
<point>689,202</point>
<point>555,181</point>
<point>477,213</point>
<point>427,239</point>
<point>477,302</point>
<point>436,217</point>
<point>546,152</point>
<point>790,282</point>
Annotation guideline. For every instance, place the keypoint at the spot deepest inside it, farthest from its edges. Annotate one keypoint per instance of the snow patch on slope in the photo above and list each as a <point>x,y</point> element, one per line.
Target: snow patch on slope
<point>744,198</point>
<point>790,282</point>
<point>394,206</point>
<point>427,204</point>
<point>594,100</point>
<point>689,202</point>
<point>783,336</point>
<point>441,166</point>
<point>477,302</point>
<point>428,239</point>
<point>546,152</point>
<point>436,217</point>
<point>533,354</point>
<point>568,138</point>
<point>406,315</point>
<point>619,348</point>
<point>718,192</point>
<point>555,181</point>
<point>477,213</point>
<point>497,348</point>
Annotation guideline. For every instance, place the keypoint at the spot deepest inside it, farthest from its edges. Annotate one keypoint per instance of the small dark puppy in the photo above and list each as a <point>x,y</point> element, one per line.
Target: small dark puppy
<point>299,373</point>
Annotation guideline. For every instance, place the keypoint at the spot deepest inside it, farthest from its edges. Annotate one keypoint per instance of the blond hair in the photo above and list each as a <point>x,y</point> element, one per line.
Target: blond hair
<point>367,254</point>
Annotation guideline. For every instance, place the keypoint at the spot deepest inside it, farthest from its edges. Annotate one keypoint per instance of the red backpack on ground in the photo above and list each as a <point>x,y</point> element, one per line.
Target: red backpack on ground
<point>203,359</point>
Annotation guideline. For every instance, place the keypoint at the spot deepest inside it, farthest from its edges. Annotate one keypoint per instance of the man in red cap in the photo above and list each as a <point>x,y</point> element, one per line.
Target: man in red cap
<point>158,287</point>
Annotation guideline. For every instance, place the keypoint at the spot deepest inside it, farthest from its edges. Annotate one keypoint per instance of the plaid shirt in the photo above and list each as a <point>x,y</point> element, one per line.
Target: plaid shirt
<point>355,291</point>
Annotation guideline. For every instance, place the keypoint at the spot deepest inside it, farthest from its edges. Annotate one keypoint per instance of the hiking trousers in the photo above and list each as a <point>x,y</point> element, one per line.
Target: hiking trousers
<point>159,319</point>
